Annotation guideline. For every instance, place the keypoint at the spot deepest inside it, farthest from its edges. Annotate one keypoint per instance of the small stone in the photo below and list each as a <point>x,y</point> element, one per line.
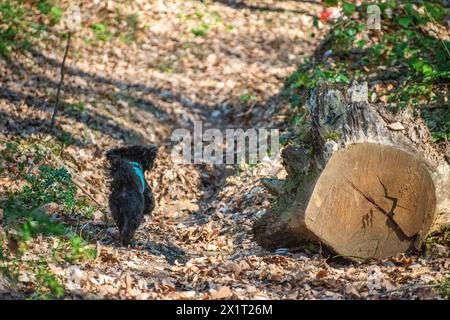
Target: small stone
<point>282,251</point>
<point>216,114</point>
<point>301,257</point>
<point>388,263</point>
<point>260,213</point>
<point>396,126</point>
<point>212,59</point>
<point>26,277</point>
<point>50,208</point>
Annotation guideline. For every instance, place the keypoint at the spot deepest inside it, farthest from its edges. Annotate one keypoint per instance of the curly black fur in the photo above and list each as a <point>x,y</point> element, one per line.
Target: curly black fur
<point>126,201</point>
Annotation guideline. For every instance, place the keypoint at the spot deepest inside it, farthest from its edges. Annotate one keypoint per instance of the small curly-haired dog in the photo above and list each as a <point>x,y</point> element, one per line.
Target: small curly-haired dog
<point>131,196</point>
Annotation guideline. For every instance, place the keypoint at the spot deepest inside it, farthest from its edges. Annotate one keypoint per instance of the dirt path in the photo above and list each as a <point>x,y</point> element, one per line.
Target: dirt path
<point>168,66</point>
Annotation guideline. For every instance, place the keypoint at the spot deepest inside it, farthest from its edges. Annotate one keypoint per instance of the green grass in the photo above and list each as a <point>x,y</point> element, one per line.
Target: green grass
<point>248,98</point>
<point>200,31</point>
<point>101,31</point>
<point>132,21</point>
<point>204,18</point>
<point>74,109</point>
<point>49,287</point>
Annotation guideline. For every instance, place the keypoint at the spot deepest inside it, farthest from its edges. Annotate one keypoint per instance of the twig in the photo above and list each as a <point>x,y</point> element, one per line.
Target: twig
<point>86,192</point>
<point>55,111</point>
<point>81,230</point>
<point>78,183</point>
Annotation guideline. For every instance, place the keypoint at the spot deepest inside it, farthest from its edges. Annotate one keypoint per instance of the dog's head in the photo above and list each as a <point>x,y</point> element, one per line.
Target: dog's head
<point>145,156</point>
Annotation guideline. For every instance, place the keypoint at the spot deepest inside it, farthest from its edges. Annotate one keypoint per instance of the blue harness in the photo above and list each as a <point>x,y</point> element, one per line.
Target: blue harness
<point>139,173</point>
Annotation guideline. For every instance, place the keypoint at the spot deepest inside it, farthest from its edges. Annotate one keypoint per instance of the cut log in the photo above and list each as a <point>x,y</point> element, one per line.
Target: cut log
<point>366,182</point>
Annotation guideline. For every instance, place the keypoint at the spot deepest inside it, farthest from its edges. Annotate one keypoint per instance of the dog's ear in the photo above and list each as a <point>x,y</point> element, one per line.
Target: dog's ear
<point>150,156</point>
<point>130,153</point>
<point>146,156</point>
<point>112,154</point>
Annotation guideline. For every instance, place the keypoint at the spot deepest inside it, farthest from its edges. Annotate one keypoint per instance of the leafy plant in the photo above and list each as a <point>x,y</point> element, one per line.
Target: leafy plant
<point>404,52</point>
<point>444,288</point>
<point>201,30</point>
<point>53,12</point>
<point>49,185</point>
<point>101,31</point>
<point>48,286</point>
<point>79,251</point>
<point>248,98</point>
<point>26,218</point>
<point>39,223</point>
<point>12,15</point>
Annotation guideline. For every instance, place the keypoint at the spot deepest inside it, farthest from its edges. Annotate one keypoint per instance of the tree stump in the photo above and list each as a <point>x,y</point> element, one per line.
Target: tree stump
<point>366,182</point>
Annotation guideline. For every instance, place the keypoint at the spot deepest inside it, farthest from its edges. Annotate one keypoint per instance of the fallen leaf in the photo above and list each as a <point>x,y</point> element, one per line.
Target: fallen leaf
<point>98,217</point>
<point>351,289</point>
<point>321,274</point>
<point>389,285</point>
<point>186,294</point>
<point>13,245</point>
<point>221,293</point>
<point>396,126</point>
<point>50,208</point>
<point>234,267</point>
<point>260,296</point>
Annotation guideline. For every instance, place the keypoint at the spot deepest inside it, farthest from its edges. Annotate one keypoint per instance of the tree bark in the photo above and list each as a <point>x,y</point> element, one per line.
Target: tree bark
<point>366,182</point>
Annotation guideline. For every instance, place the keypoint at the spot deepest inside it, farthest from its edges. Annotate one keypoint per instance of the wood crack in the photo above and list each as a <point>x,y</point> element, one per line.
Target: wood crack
<point>390,215</point>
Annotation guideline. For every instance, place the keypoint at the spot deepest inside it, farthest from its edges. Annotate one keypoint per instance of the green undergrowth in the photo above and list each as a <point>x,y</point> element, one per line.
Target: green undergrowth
<point>38,218</point>
<point>406,63</point>
<point>22,22</point>
<point>444,288</point>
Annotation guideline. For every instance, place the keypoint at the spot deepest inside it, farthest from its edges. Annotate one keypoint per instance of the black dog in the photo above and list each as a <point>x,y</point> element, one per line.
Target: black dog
<point>131,196</point>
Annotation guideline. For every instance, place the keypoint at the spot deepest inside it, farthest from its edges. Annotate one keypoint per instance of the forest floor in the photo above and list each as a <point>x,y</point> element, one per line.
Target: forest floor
<point>144,71</point>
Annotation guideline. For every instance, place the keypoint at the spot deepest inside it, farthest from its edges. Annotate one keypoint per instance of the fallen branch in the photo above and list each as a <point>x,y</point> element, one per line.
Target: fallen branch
<point>79,182</point>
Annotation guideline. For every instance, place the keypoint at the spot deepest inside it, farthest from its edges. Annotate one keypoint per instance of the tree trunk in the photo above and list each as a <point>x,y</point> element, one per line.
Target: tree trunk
<point>364,181</point>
